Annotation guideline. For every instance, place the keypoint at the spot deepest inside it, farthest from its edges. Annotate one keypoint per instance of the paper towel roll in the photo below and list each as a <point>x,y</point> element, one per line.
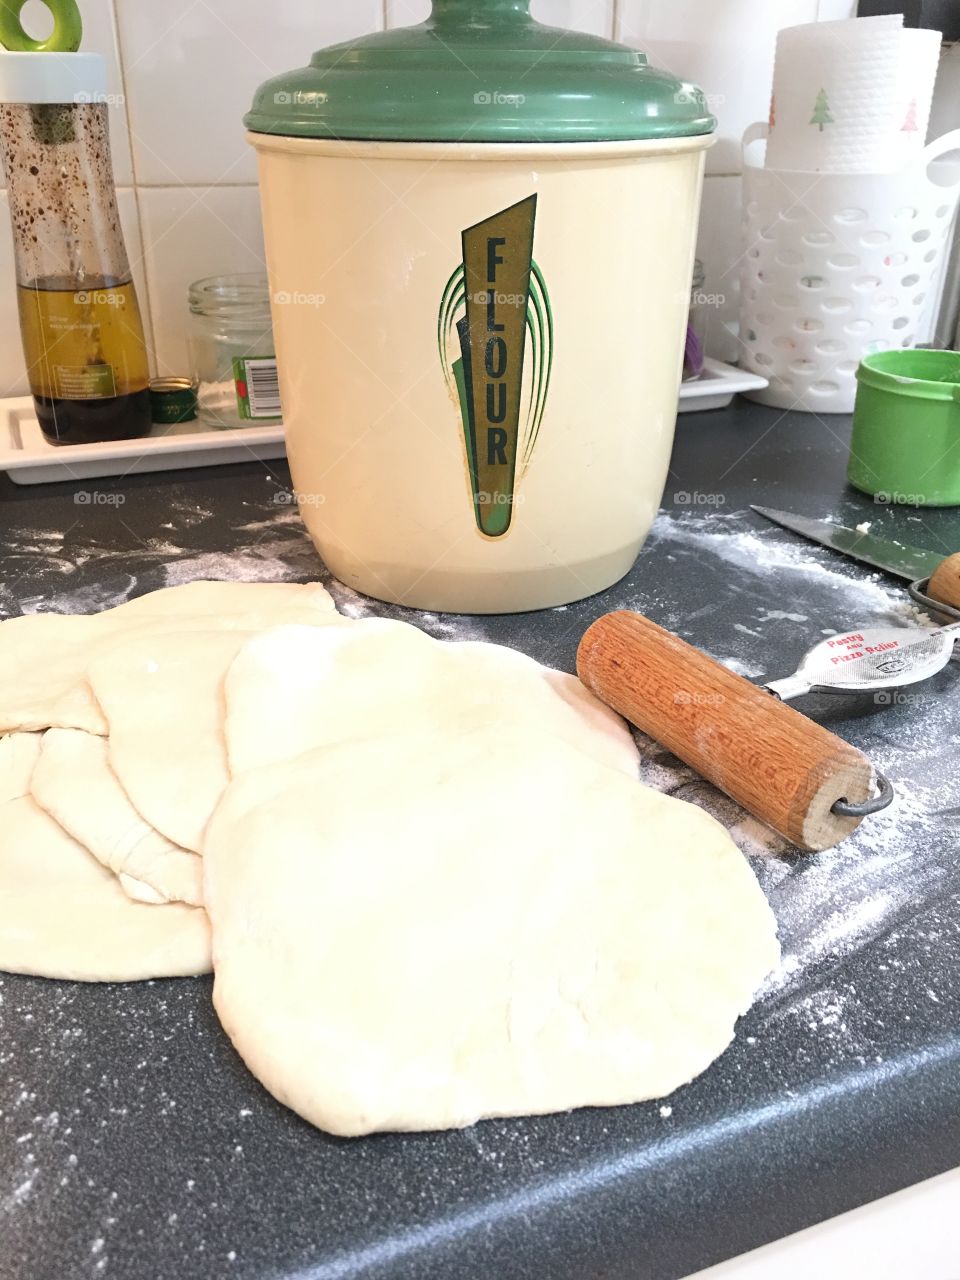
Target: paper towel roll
<point>851,96</point>
<point>919,61</point>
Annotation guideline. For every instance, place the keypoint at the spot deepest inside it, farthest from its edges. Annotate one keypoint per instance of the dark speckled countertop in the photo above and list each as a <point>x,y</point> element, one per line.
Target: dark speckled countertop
<point>135,1145</point>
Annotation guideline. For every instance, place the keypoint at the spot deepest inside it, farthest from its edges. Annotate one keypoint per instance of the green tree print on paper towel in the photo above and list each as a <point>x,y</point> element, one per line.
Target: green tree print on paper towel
<point>821,111</point>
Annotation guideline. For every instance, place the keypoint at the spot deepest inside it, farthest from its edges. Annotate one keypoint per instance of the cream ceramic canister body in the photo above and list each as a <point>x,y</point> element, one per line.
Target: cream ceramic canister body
<point>480,347</point>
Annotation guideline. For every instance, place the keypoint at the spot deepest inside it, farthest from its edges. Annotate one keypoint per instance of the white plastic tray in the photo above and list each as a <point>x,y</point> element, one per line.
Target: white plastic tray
<point>717,386</point>
<point>29,459</point>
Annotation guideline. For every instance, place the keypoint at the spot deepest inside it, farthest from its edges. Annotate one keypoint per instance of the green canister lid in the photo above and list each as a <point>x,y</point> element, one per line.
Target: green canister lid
<point>480,71</point>
<point>172,400</point>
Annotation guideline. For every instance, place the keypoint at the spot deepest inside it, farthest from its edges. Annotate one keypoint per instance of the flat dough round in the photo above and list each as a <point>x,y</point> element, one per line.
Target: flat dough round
<point>63,915</point>
<point>43,656</point>
<point>416,932</point>
<point>73,782</point>
<point>162,696</point>
<point>19,753</point>
<point>293,689</point>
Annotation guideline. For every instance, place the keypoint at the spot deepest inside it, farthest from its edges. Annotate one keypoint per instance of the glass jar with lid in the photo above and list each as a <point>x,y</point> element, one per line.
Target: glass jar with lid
<point>232,358</point>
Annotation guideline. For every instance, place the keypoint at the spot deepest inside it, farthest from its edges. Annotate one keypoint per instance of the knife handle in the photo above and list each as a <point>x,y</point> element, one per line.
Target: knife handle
<point>944,582</point>
<point>788,771</point>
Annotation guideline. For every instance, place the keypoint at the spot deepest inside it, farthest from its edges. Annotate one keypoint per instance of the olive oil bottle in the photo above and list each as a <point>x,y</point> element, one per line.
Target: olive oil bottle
<point>88,366</point>
<point>79,317</point>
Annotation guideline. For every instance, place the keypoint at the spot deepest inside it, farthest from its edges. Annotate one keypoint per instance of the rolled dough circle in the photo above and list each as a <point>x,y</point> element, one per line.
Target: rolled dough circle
<point>414,932</point>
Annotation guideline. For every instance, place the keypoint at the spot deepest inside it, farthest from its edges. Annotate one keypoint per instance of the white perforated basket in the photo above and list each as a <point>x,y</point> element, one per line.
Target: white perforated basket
<point>836,266</point>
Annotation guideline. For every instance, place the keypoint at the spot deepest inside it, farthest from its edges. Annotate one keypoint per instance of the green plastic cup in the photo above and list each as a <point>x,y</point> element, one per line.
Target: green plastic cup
<point>906,428</point>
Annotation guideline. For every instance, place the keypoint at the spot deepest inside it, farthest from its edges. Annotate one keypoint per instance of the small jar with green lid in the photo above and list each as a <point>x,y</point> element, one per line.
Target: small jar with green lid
<point>483,231</point>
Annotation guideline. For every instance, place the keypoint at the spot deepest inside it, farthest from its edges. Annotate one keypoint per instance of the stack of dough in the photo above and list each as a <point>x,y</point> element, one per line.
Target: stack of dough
<point>427,878</point>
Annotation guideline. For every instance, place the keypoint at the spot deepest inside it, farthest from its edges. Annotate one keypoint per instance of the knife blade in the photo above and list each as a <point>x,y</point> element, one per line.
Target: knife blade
<point>892,557</point>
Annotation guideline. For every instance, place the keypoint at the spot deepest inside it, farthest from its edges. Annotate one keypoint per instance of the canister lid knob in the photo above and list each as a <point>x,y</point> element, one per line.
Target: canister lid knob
<point>479,12</point>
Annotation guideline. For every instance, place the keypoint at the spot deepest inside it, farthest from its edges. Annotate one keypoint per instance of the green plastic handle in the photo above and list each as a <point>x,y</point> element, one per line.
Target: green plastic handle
<point>65,37</point>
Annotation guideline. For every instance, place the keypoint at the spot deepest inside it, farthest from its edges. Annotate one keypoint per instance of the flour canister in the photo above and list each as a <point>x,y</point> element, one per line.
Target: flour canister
<point>480,236</point>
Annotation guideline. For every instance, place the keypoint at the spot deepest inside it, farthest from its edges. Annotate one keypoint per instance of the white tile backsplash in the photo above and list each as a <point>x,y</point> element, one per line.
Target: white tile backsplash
<point>836,10</point>
<point>191,69</point>
<point>404,13</point>
<point>595,16</point>
<point>724,46</point>
<point>13,373</point>
<point>719,248</point>
<point>945,114</point>
<point>183,73</point>
<point>191,232</point>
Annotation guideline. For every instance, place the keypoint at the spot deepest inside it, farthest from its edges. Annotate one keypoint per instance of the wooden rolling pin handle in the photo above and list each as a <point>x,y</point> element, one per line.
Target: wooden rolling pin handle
<point>786,770</point>
<point>945,582</point>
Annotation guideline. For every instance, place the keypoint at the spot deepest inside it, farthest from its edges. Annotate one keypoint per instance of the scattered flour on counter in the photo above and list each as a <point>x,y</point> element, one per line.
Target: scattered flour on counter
<point>350,602</point>
<point>780,615</point>
<point>86,599</point>
<point>267,550</point>
<point>741,668</point>
<point>759,554</point>
<point>284,515</point>
<point>20,1193</point>
<point>270,544</point>
<point>241,566</point>
<point>440,626</point>
<point>455,626</point>
<point>913,614</point>
<point>828,904</point>
<point>762,569</point>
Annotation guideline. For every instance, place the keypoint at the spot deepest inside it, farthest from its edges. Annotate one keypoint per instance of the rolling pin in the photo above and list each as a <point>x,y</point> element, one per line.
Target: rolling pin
<point>785,769</point>
<point>944,584</point>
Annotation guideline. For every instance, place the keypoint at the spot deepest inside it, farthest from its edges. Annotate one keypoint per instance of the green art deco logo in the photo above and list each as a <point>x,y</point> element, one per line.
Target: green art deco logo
<point>495,335</point>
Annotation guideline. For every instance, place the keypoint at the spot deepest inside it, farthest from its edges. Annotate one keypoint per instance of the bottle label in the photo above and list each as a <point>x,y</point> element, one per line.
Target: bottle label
<point>258,387</point>
<point>84,382</point>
